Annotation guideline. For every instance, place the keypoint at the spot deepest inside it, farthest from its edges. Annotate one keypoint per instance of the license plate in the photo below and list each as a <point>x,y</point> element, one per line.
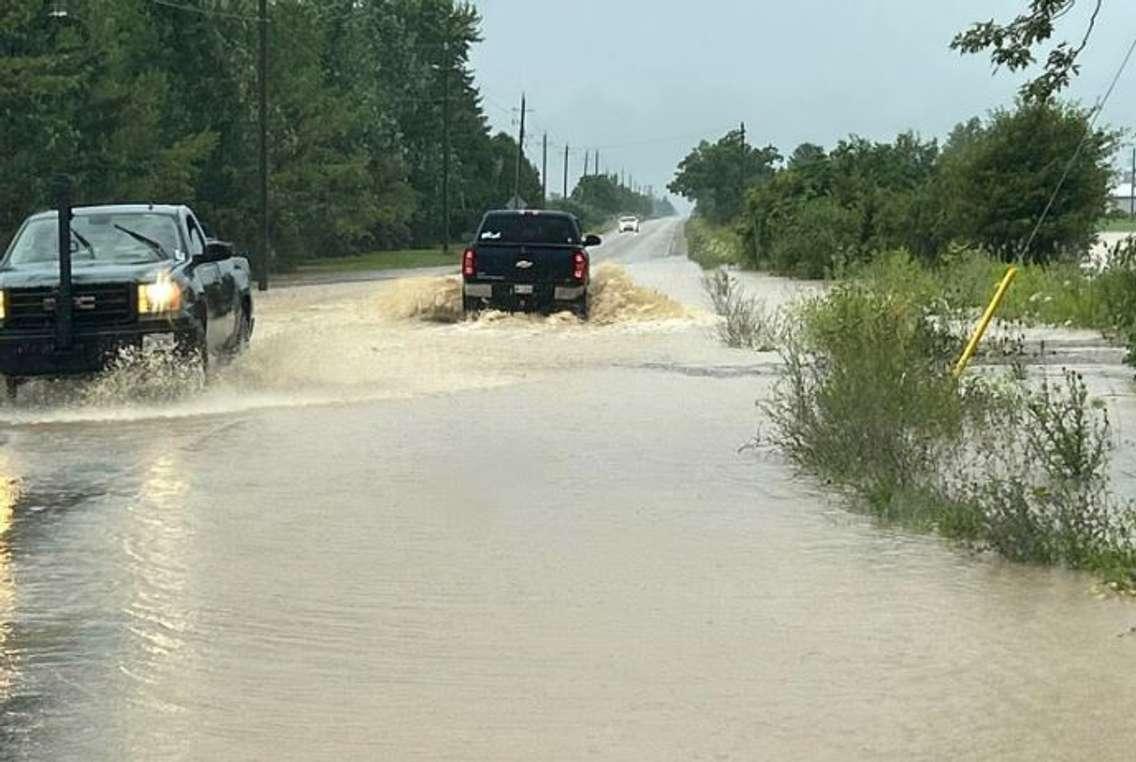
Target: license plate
<point>522,289</point>
<point>157,342</point>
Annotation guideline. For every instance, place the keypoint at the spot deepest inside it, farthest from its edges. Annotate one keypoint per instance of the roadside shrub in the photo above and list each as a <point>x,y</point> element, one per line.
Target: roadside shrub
<point>813,240</point>
<point>865,396</point>
<point>712,246</point>
<point>746,322</point>
<point>1061,293</point>
<point>866,401</point>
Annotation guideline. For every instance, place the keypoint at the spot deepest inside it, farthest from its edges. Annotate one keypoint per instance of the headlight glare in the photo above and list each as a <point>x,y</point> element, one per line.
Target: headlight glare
<point>158,298</point>
<point>3,304</point>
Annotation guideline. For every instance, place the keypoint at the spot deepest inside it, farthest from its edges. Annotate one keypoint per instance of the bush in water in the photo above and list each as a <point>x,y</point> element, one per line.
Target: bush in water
<point>746,322</point>
<point>867,401</point>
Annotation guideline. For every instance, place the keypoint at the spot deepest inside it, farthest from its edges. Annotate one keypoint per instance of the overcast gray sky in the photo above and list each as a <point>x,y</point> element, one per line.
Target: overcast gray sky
<point>644,80</point>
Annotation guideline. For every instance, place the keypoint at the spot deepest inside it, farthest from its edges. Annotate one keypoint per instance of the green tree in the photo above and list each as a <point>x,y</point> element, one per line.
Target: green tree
<point>998,182</point>
<point>1012,44</point>
<point>716,175</point>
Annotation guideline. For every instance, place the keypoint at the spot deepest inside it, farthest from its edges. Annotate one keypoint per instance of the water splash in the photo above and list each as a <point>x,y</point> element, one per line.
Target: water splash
<point>135,376</point>
<point>614,298</point>
<point>350,343</point>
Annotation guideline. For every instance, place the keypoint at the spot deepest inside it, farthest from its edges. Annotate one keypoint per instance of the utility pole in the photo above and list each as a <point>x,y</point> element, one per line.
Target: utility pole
<point>64,301</point>
<point>597,170</point>
<point>741,164</point>
<point>566,171</point>
<point>586,154</point>
<point>1132,185</point>
<point>446,144</point>
<point>520,152</point>
<point>262,67</point>
<point>544,172</point>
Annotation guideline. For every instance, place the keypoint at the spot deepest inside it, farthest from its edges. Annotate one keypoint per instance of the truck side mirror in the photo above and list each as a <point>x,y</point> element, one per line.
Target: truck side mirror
<point>591,239</point>
<point>215,251</point>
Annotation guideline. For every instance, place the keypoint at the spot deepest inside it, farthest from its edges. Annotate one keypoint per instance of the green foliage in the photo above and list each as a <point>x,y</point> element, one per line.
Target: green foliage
<point>866,398</point>
<point>1011,45</point>
<point>812,239</point>
<point>716,175</point>
<point>866,401</point>
<point>597,199</point>
<point>825,210</point>
<point>996,182</point>
<point>144,101</point>
<point>986,188</point>
<point>382,260</point>
<point>964,280</point>
<point>710,245</point>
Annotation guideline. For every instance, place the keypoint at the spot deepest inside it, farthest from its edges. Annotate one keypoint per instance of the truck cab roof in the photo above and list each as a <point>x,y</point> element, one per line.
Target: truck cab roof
<point>171,209</point>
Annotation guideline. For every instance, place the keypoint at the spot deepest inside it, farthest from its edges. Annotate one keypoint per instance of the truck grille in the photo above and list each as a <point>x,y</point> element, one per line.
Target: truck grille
<point>95,306</point>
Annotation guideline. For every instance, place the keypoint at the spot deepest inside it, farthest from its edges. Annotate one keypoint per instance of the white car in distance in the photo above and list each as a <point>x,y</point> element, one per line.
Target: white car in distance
<point>628,224</point>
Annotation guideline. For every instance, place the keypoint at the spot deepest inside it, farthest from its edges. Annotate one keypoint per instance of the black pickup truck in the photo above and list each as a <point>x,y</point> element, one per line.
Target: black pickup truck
<point>139,274</point>
<point>527,261</point>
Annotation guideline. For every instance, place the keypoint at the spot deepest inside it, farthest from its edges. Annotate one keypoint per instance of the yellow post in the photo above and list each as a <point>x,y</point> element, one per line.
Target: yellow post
<point>972,345</point>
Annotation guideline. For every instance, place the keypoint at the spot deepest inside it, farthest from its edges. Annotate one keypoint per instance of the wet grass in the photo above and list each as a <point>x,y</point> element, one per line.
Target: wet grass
<point>382,260</point>
<point>1117,225</point>
<point>1059,294</point>
<point>997,462</point>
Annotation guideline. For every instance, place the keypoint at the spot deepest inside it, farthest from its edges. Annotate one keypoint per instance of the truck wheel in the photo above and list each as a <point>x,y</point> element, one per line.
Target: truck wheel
<point>244,330</point>
<point>471,306</point>
<point>240,340</point>
<point>193,349</point>
<point>12,387</point>
<point>580,307</point>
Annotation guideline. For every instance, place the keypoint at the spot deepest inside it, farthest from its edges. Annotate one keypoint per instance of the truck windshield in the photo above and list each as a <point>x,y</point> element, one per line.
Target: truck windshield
<point>528,228</point>
<point>98,238</point>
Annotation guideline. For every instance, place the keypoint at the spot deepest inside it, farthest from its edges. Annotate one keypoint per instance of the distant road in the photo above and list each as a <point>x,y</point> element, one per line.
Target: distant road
<point>659,239</point>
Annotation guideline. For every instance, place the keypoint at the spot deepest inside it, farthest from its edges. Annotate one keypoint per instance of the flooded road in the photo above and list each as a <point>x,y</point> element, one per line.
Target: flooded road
<point>385,537</point>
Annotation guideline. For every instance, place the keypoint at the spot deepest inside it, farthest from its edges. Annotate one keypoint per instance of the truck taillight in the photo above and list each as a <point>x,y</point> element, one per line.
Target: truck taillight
<point>469,263</point>
<point>580,266</point>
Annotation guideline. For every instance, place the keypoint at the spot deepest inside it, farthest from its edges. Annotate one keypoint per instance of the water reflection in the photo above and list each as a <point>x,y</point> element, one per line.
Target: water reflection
<point>157,614</point>
<point>9,495</point>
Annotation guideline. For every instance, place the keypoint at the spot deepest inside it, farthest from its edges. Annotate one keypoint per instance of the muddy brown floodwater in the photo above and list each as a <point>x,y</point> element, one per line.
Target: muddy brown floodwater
<point>385,537</point>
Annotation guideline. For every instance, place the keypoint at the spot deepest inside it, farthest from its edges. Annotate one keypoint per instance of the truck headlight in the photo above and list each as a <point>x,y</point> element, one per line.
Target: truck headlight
<point>3,304</point>
<point>158,298</point>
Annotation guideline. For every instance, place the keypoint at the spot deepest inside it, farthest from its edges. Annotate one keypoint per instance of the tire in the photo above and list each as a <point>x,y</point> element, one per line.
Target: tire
<point>471,306</point>
<point>580,307</point>
<point>12,388</point>
<point>193,349</point>
<point>240,340</point>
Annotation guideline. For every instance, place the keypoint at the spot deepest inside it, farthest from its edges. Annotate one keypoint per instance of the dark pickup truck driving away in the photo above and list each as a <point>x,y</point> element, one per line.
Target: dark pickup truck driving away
<point>527,261</point>
<point>137,273</point>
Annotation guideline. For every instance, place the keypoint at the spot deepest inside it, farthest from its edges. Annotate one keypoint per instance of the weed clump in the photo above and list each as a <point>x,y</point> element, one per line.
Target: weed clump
<point>746,321</point>
<point>867,401</point>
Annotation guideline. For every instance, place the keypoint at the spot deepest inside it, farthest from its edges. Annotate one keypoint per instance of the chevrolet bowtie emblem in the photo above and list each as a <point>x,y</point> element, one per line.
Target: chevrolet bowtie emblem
<point>524,264</point>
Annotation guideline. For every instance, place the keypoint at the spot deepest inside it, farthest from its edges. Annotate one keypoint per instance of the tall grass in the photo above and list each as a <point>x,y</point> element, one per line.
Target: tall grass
<point>866,401</point>
<point>745,322</point>
<point>1062,294</point>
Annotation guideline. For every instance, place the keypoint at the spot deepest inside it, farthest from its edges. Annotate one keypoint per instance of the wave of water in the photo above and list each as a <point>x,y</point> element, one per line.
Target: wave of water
<point>614,298</point>
<point>348,344</point>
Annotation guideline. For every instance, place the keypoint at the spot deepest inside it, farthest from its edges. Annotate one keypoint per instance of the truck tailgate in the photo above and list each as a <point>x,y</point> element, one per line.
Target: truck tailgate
<point>525,263</point>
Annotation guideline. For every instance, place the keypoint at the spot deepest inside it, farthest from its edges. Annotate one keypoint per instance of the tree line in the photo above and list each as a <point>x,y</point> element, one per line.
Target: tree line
<point>987,186</point>
<point>140,100</point>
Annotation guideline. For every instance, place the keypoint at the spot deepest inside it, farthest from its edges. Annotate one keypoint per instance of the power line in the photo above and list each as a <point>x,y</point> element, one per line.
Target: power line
<point>1080,146</point>
<point>673,138</point>
<point>205,11</point>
